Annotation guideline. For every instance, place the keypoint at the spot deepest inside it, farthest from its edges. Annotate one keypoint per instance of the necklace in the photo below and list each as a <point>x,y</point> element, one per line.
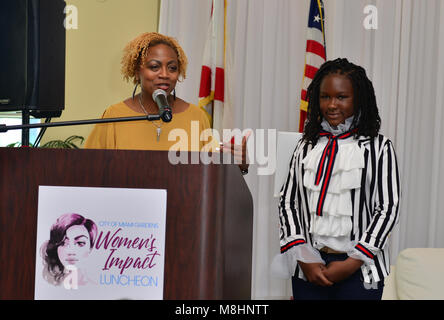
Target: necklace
<point>158,126</point>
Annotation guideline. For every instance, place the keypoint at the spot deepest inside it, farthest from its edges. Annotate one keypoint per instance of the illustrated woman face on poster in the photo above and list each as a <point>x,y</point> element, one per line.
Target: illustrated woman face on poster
<point>71,241</point>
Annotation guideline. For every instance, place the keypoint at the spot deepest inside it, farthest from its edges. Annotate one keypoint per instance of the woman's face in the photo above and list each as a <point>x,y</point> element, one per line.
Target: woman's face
<point>75,247</point>
<point>160,70</point>
<point>336,98</point>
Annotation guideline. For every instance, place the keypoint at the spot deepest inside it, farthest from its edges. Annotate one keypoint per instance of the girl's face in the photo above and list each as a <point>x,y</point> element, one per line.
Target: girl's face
<point>160,69</point>
<point>75,247</point>
<point>336,99</point>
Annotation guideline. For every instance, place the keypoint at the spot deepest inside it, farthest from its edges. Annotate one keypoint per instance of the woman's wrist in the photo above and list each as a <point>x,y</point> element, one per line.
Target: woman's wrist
<point>244,168</point>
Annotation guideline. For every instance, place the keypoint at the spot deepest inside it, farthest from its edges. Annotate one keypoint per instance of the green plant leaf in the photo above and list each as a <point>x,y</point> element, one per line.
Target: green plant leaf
<point>69,143</point>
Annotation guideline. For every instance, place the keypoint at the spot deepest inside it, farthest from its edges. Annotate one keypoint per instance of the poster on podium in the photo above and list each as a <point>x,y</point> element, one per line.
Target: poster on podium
<point>100,243</point>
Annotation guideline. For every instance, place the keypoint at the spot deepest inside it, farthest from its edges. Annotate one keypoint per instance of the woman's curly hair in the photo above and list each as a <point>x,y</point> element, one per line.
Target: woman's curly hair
<point>366,120</point>
<point>136,50</point>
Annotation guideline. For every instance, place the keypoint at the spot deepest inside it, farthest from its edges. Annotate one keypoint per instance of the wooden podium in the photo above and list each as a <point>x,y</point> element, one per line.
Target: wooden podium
<point>208,225</point>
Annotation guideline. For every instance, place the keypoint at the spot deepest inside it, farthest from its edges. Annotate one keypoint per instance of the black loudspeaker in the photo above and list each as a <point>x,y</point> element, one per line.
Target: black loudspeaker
<point>32,56</point>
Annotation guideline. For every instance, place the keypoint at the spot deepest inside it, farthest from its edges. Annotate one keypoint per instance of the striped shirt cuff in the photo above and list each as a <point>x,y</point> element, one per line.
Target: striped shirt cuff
<point>364,251</point>
<point>292,244</point>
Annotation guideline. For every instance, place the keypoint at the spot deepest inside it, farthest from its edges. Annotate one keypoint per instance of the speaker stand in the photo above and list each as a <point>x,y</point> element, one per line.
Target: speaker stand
<point>25,131</point>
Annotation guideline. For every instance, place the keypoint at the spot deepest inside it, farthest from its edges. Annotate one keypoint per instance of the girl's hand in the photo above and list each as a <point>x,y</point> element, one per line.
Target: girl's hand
<point>337,271</point>
<point>314,272</point>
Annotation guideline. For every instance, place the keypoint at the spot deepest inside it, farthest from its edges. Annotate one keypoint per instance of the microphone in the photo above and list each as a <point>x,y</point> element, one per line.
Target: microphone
<point>160,97</point>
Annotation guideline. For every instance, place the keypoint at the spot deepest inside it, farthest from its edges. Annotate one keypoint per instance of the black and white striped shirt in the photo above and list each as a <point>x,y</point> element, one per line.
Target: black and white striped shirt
<point>375,205</point>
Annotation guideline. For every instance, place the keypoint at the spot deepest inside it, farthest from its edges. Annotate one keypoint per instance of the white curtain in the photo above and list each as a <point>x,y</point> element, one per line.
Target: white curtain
<point>402,58</point>
<point>187,21</point>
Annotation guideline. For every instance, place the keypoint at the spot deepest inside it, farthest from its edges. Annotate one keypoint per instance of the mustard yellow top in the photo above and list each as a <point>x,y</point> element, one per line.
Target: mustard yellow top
<point>183,133</point>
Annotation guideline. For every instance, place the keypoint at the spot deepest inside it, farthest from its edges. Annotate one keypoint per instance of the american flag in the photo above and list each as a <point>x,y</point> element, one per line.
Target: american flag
<point>315,53</point>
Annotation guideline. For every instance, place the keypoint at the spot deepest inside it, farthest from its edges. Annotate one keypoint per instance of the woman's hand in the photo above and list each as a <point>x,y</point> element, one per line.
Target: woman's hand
<point>238,151</point>
<point>337,271</point>
<point>314,272</point>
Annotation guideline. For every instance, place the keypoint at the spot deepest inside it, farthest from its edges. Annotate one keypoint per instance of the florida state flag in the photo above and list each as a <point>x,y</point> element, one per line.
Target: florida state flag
<point>212,88</point>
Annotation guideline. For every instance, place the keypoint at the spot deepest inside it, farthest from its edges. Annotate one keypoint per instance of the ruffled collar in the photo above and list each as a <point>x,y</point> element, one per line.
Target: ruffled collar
<point>341,128</point>
<point>336,210</point>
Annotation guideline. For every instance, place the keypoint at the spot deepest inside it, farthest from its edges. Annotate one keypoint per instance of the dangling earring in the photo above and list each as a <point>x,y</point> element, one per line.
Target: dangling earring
<point>134,91</point>
<point>174,94</point>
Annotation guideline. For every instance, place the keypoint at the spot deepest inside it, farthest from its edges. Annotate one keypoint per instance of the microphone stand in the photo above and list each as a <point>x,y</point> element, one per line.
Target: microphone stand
<point>5,128</point>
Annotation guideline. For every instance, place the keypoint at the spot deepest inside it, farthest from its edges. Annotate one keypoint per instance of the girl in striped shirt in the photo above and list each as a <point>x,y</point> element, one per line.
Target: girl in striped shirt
<point>340,201</point>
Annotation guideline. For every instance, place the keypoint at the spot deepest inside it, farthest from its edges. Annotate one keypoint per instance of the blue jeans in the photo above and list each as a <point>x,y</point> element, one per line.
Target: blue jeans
<point>352,288</point>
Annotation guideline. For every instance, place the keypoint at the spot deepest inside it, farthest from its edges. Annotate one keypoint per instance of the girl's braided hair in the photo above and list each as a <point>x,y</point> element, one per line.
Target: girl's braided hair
<point>366,120</point>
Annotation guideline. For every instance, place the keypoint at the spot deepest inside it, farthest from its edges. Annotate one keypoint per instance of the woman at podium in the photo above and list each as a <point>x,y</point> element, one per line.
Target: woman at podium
<point>155,63</point>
